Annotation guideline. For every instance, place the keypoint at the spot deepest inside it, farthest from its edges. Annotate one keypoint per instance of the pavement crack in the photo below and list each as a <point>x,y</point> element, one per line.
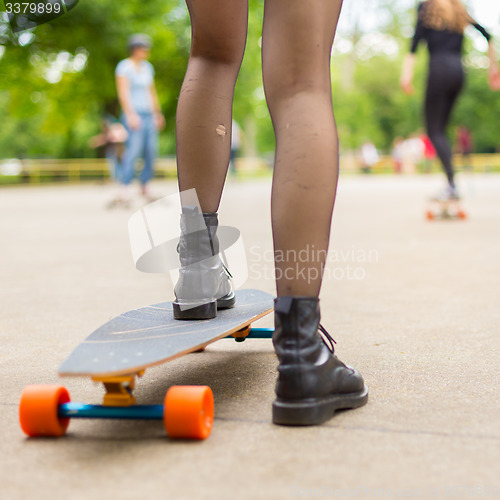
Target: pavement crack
<point>416,432</point>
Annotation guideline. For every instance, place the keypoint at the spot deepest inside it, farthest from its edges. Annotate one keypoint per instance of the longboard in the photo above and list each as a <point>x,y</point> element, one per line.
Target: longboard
<point>123,348</point>
<point>445,209</point>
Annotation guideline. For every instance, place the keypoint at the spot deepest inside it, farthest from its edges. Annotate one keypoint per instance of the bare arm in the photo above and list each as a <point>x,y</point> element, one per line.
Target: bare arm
<point>123,88</point>
<point>494,73</point>
<point>406,80</point>
<point>159,118</point>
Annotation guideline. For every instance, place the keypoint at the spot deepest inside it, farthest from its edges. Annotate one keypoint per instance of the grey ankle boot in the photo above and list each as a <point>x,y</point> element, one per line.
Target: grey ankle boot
<point>204,282</point>
<point>312,382</point>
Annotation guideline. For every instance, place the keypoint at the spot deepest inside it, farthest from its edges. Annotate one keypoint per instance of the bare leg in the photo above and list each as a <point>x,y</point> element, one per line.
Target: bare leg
<point>203,123</point>
<point>312,382</point>
<point>297,40</point>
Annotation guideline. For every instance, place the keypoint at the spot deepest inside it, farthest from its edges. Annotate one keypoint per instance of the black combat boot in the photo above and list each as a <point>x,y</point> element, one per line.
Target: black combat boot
<point>204,282</point>
<point>312,382</point>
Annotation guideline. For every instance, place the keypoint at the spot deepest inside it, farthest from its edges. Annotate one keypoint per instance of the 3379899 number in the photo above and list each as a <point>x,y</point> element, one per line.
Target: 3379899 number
<point>33,8</point>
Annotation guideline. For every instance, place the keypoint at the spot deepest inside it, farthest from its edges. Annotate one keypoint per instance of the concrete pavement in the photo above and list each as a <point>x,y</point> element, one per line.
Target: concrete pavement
<point>414,305</point>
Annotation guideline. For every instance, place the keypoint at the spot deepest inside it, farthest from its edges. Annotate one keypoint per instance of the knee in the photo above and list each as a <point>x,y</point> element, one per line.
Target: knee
<point>431,134</point>
<point>284,80</point>
<point>219,31</point>
<point>214,48</point>
<point>437,137</point>
<point>434,132</point>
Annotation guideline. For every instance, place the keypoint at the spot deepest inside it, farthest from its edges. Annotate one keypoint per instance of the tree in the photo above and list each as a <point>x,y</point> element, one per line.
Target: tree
<point>56,81</point>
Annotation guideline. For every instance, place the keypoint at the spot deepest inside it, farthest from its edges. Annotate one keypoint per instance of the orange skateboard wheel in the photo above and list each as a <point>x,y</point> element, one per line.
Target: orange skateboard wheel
<point>189,411</point>
<point>429,215</point>
<point>462,214</point>
<point>38,410</point>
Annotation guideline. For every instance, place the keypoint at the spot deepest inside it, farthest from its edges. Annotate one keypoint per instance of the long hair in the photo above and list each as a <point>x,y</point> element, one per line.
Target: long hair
<point>448,15</point>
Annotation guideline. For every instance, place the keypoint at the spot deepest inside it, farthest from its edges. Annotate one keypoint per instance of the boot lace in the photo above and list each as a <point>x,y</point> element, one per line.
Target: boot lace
<point>327,339</point>
<point>226,270</point>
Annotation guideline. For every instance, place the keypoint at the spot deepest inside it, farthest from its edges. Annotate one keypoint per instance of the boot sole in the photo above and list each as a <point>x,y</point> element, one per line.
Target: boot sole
<point>227,301</point>
<point>315,411</point>
<point>204,311</point>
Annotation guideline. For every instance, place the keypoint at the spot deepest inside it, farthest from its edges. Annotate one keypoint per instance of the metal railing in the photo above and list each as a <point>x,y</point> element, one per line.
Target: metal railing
<point>77,170</point>
<point>36,171</point>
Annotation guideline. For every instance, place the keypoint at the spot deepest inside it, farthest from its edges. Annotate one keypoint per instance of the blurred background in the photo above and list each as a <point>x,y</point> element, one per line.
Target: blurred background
<point>57,82</point>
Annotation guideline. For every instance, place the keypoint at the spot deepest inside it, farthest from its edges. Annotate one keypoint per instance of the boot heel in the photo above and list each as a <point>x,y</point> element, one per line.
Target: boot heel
<point>315,411</point>
<point>207,310</point>
<point>312,413</point>
<point>227,301</point>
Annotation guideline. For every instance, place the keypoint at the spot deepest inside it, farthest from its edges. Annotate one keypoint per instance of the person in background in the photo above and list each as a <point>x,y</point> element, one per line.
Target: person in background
<point>413,153</point>
<point>441,23</point>
<point>397,154</point>
<point>368,157</point>
<point>235,146</point>
<point>141,112</point>
<point>113,138</point>
<point>429,152</point>
<point>464,145</point>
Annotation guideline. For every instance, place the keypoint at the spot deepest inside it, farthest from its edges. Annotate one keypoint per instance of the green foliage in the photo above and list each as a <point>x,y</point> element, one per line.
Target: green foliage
<point>375,108</point>
<point>479,110</point>
<point>250,109</point>
<point>55,86</point>
<point>57,119</point>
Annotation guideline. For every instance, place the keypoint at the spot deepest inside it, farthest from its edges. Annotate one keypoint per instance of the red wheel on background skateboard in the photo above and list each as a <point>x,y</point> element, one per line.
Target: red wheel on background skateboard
<point>462,214</point>
<point>38,410</point>
<point>429,215</point>
<point>189,411</point>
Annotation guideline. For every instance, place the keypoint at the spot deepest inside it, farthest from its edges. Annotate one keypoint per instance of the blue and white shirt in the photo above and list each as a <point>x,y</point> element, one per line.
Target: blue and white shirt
<point>140,79</point>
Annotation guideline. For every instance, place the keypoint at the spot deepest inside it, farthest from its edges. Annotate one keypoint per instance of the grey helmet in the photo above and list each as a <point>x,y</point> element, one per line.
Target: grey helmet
<point>139,40</point>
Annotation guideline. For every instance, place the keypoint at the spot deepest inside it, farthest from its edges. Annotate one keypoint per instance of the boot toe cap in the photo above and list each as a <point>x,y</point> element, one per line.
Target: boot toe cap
<point>350,381</point>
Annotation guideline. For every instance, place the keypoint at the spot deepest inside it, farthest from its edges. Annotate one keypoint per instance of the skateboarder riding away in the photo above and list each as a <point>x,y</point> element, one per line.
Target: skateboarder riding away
<point>296,47</point>
<point>441,24</point>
